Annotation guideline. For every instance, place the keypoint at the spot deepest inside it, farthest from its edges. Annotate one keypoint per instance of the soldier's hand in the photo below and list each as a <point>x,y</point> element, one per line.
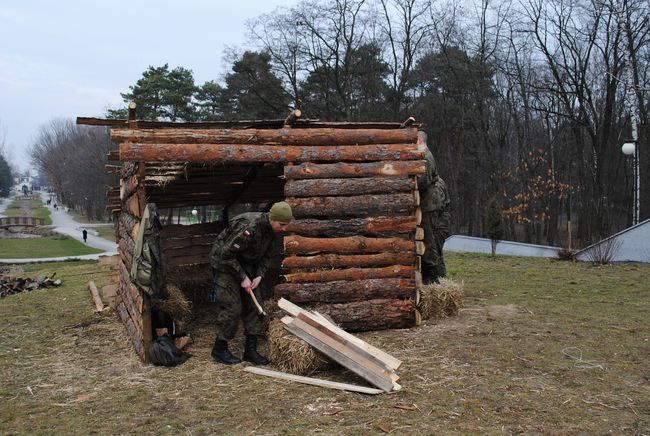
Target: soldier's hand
<point>246,283</point>
<point>256,282</point>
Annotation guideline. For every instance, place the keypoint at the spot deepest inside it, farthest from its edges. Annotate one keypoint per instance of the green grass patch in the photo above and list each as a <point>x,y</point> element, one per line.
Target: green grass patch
<point>51,246</point>
<point>32,208</point>
<point>106,232</point>
<point>507,364</point>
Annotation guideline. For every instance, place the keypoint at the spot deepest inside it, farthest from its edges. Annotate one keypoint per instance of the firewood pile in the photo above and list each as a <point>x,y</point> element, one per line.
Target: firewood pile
<point>16,285</point>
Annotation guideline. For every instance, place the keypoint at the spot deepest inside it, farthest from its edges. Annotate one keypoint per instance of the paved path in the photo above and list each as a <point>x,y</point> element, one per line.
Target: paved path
<point>63,222</point>
<point>4,202</point>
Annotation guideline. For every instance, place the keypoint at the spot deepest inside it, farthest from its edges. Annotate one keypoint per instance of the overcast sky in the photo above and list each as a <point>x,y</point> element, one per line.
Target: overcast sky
<point>69,58</point>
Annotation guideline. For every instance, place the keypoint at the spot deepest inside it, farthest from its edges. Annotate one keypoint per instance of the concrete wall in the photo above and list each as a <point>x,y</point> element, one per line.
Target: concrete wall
<point>632,244</point>
<point>482,245</point>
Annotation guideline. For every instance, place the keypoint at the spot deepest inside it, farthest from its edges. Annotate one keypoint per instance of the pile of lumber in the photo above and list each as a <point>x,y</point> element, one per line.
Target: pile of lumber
<point>368,362</point>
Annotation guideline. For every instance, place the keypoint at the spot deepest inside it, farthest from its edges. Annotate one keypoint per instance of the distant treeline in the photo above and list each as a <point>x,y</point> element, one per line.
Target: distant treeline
<point>526,101</point>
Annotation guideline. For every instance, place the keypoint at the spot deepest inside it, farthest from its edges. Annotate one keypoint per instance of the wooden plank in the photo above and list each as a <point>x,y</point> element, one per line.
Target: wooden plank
<point>295,310</point>
<point>340,354</point>
<point>312,381</point>
<point>351,345</point>
<point>99,305</point>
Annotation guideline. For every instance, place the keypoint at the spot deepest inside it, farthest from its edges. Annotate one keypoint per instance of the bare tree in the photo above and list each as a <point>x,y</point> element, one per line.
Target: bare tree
<point>72,158</point>
<point>406,30</point>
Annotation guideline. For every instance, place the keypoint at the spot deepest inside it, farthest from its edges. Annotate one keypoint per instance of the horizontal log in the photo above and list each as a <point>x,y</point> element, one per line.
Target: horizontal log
<point>192,181</point>
<point>247,153</point>
<point>340,170</point>
<point>195,241</point>
<point>164,202</point>
<point>195,250</point>
<point>351,274</point>
<point>356,206</point>
<point>245,124</point>
<point>113,169</point>
<point>184,231</point>
<point>187,260</point>
<point>344,291</point>
<point>284,136</point>
<point>113,155</point>
<point>218,190</point>
<point>371,226</point>
<point>370,185</point>
<point>378,314</point>
<point>352,260</point>
<point>348,245</point>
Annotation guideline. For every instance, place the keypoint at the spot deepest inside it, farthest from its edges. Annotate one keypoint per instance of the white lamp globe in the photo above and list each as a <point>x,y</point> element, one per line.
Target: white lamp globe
<point>628,148</point>
<point>195,212</point>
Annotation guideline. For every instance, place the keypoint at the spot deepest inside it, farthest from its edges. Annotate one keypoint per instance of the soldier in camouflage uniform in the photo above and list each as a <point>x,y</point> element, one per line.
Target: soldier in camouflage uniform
<point>239,259</point>
<point>434,202</point>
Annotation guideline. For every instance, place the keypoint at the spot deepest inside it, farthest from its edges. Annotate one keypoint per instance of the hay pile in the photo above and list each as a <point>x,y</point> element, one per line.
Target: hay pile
<point>441,300</point>
<point>289,353</point>
<point>177,305</point>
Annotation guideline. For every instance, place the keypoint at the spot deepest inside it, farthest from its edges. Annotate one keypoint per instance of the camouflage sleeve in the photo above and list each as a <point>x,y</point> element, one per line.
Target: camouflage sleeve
<point>263,265</point>
<point>429,177</point>
<point>239,240</point>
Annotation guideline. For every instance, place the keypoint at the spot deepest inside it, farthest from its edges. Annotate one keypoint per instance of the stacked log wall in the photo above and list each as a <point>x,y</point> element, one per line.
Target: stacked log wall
<point>130,303</point>
<point>353,249</point>
<point>355,199</point>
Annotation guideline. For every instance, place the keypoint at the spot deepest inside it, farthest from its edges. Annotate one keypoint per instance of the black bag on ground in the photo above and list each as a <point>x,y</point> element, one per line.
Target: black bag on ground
<point>163,352</point>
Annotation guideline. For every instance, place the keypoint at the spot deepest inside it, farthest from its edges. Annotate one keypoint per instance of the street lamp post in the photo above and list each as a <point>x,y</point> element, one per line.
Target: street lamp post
<point>632,148</point>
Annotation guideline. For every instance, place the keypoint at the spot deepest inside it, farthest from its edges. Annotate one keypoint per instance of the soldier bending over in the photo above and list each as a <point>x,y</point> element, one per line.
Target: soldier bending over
<point>239,259</point>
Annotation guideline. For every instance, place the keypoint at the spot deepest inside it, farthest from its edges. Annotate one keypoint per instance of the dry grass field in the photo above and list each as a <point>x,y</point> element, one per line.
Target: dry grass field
<point>540,346</point>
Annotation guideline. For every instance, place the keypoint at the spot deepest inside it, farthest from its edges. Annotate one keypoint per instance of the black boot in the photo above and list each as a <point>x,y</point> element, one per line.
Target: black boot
<point>430,280</point>
<point>430,276</point>
<point>250,352</point>
<point>222,354</point>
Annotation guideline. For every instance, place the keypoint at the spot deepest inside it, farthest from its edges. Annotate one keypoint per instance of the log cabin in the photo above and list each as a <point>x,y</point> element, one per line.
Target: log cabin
<point>353,250</point>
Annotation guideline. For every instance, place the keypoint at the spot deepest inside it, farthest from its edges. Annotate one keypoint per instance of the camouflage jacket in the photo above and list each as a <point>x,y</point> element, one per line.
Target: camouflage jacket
<point>433,190</point>
<point>243,248</point>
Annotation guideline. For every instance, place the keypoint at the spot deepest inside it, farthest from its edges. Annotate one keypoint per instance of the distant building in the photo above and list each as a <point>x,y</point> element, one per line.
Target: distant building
<point>25,180</point>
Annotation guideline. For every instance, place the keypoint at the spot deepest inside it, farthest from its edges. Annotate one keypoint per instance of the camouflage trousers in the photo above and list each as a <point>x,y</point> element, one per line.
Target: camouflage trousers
<point>233,304</point>
<point>436,227</point>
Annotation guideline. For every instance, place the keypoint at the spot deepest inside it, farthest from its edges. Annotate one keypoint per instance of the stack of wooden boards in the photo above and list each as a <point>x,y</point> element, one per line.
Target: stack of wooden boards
<point>368,362</point>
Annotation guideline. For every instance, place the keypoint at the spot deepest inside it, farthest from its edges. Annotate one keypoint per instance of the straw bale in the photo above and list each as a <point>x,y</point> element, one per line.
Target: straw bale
<point>291,354</point>
<point>177,305</point>
<point>439,300</point>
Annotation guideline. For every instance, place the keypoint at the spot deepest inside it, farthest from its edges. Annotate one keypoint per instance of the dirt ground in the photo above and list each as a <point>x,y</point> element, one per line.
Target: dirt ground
<point>539,347</point>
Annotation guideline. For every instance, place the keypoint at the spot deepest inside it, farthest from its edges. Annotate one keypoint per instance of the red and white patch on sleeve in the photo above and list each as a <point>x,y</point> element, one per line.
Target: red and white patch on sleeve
<point>247,233</point>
